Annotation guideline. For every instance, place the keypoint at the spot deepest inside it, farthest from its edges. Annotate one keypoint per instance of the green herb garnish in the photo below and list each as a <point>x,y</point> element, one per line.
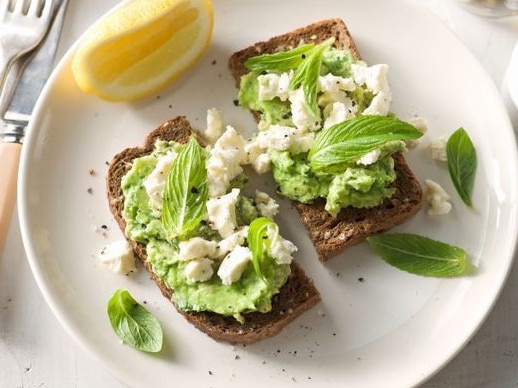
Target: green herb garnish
<point>307,74</point>
<point>186,191</point>
<point>261,233</point>
<point>133,324</point>
<point>280,61</point>
<point>462,164</point>
<point>349,140</point>
<point>306,60</point>
<point>420,255</point>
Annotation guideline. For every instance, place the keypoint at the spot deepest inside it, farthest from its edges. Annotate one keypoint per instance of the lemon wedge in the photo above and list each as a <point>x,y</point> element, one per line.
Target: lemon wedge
<point>141,47</point>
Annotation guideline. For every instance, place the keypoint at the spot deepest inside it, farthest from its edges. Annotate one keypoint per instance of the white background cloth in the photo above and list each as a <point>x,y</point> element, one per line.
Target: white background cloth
<point>35,351</point>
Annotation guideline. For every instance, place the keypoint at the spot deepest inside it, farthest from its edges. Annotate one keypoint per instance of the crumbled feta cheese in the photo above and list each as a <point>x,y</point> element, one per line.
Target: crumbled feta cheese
<point>273,85</point>
<point>437,198</point>
<point>420,124</point>
<point>333,89</point>
<point>301,116</point>
<point>337,112</point>
<point>224,161</point>
<point>283,138</point>
<point>438,149</point>
<point>266,205</point>
<point>277,137</point>
<point>118,257</point>
<point>232,241</point>
<point>155,182</point>
<point>196,248</point>
<point>333,83</point>
<point>282,249</point>
<point>262,163</point>
<point>214,125</point>
<point>370,158</point>
<point>199,270</point>
<point>256,156</point>
<point>373,77</point>
<point>234,264</point>
<point>221,213</point>
<point>380,105</point>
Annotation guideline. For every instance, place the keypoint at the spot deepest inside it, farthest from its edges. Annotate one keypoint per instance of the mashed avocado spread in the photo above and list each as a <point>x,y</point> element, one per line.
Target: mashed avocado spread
<point>206,270</point>
<point>305,91</point>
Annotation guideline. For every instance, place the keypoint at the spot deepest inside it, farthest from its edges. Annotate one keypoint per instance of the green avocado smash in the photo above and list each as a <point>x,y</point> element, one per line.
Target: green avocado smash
<point>252,292</point>
<point>336,89</point>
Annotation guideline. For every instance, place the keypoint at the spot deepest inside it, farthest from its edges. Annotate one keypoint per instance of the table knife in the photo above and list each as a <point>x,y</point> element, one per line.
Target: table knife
<point>30,80</point>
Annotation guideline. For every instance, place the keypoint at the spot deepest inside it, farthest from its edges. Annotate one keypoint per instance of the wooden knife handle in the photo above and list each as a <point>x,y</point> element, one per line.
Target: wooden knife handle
<point>9,159</point>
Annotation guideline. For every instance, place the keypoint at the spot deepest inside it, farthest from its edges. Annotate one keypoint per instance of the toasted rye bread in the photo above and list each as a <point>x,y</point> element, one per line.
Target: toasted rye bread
<point>329,235</point>
<point>295,297</point>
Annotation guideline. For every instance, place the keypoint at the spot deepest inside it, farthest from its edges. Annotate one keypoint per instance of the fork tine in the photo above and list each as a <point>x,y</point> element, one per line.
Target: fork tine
<point>19,6</point>
<point>5,6</point>
<point>34,7</point>
<point>48,6</point>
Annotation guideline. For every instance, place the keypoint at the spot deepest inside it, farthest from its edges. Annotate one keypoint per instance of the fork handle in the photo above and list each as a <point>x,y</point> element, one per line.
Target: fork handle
<point>9,159</point>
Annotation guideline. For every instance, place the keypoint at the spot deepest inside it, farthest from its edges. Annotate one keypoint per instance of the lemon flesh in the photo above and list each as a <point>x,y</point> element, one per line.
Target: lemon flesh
<point>142,47</point>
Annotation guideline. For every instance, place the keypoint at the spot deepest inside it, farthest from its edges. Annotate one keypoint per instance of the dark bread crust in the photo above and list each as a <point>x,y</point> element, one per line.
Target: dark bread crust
<point>329,235</point>
<point>295,297</point>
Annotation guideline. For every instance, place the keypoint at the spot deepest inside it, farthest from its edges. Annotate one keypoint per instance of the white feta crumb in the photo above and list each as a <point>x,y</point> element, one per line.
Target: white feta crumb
<point>224,161</point>
<point>284,138</point>
<point>234,264</point>
<point>215,126</point>
<point>273,85</point>
<point>369,158</point>
<point>337,112</point>
<point>196,248</point>
<point>199,270</point>
<point>380,105</point>
<point>155,182</point>
<point>438,149</point>
<point>437,198</point>
<point>301,116</point>
<point>231,241</point>
<point>118,257</point>
<point>420,124</point>
<point>266,205</point>
<point>282,250</point>
<point>222,213</point>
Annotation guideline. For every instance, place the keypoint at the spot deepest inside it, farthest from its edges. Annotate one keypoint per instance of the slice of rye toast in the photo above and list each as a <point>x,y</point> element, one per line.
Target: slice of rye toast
<point>330,235</point>
<point>296,296</point>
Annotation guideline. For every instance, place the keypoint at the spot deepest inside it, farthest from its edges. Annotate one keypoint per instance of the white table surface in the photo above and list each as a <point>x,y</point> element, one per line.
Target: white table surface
<point>35,351</point>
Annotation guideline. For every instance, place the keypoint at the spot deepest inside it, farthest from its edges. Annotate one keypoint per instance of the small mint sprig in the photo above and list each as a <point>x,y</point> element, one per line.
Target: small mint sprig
<point>133,324</point>
<point>261,233</point>
<point>462,164</point>
<point>349,140</point>
<point>305,60</point>
<point>420,255</point>
<point>186,191</point>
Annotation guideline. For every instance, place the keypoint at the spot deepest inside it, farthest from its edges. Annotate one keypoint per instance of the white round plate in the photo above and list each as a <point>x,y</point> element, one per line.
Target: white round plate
<point>377,326</point>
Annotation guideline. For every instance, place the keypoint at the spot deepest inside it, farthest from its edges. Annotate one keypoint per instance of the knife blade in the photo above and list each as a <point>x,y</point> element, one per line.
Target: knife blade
<point>30,78</point>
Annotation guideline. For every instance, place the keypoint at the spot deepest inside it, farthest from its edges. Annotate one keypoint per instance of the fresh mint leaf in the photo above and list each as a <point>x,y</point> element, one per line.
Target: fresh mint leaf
<point>186,191</point>
<point>462,163</point>
<point>134,325</point>
<point>349,140</point>
<point>307,74</point>
<point>280,61</point>
<point>420,255</point>
<point>261,232</point>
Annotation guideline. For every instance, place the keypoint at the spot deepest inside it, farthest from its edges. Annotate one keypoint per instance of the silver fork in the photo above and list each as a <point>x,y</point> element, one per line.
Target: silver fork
<point>22,27</point>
